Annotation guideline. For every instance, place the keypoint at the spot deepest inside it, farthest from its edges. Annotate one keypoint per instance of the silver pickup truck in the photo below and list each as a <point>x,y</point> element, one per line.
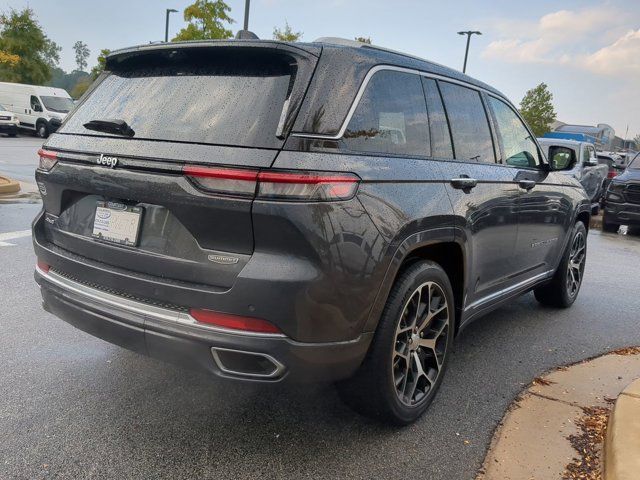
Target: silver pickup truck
<point>586,169</point>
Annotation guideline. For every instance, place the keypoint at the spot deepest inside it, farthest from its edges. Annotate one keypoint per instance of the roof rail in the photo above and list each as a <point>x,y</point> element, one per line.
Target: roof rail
<point>354,43</point>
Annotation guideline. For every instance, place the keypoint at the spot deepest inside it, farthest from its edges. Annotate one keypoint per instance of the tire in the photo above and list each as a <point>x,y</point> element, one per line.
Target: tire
<point>42,131</point>
<point>406,362</point>
<point>565,285</point>
<point>610,227</point>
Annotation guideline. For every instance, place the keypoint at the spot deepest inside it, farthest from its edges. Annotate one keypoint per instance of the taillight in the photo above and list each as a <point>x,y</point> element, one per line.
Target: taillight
<point>43,266</point>
<point>307,186</point>
<point>275,185</point>
<point>48,159</point>
<point>228,181</point>
<point>612,174</point>
<point>233,322</point>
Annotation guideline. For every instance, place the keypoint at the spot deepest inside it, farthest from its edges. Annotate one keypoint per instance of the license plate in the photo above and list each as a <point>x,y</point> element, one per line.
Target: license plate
<point>117,223</point>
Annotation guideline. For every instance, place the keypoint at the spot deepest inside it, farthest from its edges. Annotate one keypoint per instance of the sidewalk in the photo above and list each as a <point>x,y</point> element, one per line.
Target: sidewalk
<point>556,428</point>
<point>12,191</point>
<point>8,186</point>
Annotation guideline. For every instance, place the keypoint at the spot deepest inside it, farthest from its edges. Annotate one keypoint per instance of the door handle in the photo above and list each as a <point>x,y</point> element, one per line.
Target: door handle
<point>463,183</point>
<point>527,184</point>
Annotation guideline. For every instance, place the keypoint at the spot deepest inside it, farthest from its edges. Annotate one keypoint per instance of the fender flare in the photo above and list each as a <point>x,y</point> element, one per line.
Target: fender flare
<point>423,238</point>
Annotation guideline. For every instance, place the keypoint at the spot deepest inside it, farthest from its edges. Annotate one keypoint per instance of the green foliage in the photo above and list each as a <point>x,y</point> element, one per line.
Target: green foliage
<point>286,34</point>
<point>206,19</point>
<point>80,87</point>
<point>82,53</point>
<point>102,59</point>
<point>636,140</point>
<point>21,35</point>
<point>363,40</point>
<point>62,79</point>
<point>537,109</point>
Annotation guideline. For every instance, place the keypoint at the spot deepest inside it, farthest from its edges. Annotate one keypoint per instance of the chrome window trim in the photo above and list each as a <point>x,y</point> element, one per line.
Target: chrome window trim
<point>139,308</point>
<point>365,83</point>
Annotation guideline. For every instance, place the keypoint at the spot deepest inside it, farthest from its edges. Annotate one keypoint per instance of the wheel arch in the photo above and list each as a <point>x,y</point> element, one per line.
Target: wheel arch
<point>440,246</point>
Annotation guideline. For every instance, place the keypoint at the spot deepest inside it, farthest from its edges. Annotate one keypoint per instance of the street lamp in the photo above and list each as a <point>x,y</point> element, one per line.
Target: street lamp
<point>466,53</point>
<point>166,25</point>
<point>246,14</point>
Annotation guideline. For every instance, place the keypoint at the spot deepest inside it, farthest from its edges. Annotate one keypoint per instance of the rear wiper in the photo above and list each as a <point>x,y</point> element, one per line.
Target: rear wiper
<point>110,125</point>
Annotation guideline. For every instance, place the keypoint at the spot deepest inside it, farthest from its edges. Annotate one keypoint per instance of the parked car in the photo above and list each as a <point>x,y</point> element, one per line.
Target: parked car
<point>8,122</point>
<point>622,201</point>
<point>326,211</point>
<point>39,109</point>
<point>614,166</point>
<point>586,168</point>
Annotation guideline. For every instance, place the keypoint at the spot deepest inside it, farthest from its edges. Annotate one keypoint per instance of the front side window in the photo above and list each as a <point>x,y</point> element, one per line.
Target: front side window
<point>391,117</point>
<point>520,150</point>
<point>469,124</point>
<point>35,104</point>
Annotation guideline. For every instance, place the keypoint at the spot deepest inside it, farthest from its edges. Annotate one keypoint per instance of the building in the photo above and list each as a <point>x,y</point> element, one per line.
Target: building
<point>602,135</point>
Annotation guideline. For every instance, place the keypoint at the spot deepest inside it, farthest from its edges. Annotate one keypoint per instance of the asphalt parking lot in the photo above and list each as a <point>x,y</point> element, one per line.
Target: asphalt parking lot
<point>73,406</point>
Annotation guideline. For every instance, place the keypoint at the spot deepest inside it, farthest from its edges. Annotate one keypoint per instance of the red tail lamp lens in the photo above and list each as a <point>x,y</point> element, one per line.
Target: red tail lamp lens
<point>227,181</point>
<point>234,322</point>
<point>275,185</point>
<point>48,159</point>
<point>307,186</point>
<point>43,266</point>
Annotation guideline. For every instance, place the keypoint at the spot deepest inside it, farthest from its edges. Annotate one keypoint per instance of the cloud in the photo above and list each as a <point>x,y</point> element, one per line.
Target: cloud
<point>597,39</point>
<point>621,55</point>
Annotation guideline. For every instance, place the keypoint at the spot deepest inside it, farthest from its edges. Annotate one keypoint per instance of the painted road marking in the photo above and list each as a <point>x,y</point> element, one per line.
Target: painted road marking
<point>13,236</point>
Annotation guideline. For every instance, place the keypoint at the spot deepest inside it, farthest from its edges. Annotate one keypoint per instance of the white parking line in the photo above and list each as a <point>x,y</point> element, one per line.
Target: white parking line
<point>13,236</point>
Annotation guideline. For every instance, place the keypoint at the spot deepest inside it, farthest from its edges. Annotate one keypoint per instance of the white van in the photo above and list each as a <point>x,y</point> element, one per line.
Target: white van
<point>39,109</point>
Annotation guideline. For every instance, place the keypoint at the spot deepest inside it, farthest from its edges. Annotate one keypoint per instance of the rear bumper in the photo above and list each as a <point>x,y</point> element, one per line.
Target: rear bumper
<point>622,213</point>
<point>10,128</point>
<point>173,336</point>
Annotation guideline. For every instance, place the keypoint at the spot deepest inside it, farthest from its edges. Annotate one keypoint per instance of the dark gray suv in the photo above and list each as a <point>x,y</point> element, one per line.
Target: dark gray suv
<point>328,211</point>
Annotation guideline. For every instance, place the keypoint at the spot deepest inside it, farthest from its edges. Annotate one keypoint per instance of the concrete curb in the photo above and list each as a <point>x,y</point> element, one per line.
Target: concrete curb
<point>554,428</point>
<point>8,186</point>
<point>622,443</point>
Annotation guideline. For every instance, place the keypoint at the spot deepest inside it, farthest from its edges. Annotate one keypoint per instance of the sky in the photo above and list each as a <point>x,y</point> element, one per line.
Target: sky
<point>588,52</point>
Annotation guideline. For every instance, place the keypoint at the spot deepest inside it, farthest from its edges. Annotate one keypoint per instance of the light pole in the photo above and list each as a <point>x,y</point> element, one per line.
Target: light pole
<point>166,25</point>
<point>466,53</point>
<point>246,14</point>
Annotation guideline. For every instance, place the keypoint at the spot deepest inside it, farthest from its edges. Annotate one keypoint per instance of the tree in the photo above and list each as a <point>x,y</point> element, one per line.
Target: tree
<point>537,109</point>
<point>206,20</point>
<point>82,53</point>
<point>636,140</point>
<point>286,34</point>
<point>9,59</point>
<point>80,87</point>
<point>21,36</point>
<point>102,60</point>
<point>363,40</point>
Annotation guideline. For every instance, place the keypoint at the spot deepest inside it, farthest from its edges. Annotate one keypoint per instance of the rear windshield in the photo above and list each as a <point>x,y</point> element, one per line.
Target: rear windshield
<point>225,102</point>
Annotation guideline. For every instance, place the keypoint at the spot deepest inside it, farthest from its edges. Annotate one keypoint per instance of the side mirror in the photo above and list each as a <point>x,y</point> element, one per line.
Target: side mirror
<point>562,158</point>
<point>591,163</point>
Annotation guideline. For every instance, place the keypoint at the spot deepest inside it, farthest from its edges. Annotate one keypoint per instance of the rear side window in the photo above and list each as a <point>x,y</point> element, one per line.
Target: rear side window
<point>469,124</point>
<point>438,126</point>
<point>225,101</point>
<point>520,150</point>
<point>391,117</point>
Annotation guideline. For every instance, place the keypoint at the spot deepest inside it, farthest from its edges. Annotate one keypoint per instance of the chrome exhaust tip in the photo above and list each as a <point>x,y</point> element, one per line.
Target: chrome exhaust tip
<point>247,364</point>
